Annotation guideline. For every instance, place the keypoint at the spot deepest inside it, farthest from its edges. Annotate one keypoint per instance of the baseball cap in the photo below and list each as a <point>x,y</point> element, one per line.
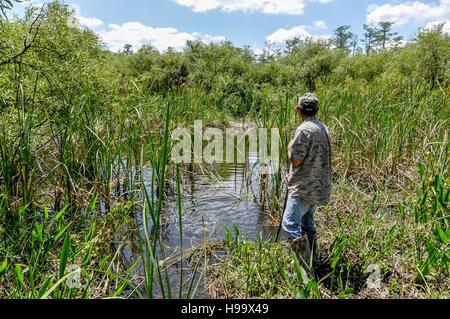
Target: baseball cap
<point>309,102</point>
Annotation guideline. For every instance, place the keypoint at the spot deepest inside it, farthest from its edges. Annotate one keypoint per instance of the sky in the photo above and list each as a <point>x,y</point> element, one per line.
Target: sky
<point>170,23</point>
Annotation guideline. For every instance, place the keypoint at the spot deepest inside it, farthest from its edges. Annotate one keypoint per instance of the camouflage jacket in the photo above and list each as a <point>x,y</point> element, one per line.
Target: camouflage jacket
<point>312,147</point>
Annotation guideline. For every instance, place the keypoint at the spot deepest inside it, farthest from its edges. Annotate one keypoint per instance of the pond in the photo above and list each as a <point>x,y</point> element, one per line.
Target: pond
<point>213,197</point>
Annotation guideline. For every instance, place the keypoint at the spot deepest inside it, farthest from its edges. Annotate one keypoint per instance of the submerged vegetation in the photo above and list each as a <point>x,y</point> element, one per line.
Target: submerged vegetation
<point>80,126</point>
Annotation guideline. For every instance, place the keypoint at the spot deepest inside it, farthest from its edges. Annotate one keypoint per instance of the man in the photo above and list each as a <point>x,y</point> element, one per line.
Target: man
<point>309,178</point>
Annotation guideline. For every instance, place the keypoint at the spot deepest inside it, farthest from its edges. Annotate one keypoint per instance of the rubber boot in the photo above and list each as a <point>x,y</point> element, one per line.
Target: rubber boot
<point>312,239</point>
<point>302,249</point>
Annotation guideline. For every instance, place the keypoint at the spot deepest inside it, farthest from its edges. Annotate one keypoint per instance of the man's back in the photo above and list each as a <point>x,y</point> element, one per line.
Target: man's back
<point>312,147</point>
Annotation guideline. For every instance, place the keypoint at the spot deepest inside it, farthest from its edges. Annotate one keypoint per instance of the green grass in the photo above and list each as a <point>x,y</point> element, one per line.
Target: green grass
<point>76,146</point>
<point>390,151</point>
<point>388,209</point>
<point>411,255</point>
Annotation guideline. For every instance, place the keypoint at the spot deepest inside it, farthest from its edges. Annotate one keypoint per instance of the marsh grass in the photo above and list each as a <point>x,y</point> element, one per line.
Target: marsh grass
<point>71,179</point>
<point>410,258</point>
<point>92,176</point>
<point>389,209</point>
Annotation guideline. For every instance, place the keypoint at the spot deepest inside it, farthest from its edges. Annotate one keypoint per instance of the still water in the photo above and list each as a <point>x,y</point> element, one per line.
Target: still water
<point>213,197</point>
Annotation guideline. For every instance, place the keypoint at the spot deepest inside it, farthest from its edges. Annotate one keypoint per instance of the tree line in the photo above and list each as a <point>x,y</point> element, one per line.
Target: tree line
<point>61,57</point>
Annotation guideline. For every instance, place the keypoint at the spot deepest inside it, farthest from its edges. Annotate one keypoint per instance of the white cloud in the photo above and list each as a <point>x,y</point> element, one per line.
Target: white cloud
<point>320,24</point>
<point>135,33</point>
<point>32,3</point>
<point>295,7</point>
<point>84,21</point>
<point>211,38</point>
<point>280,36</point>
<point>138,34</point>
<point>25,3</point>
<point>321,1</point>
<point>258,52</point>
<point>403,13</point>
<point>90,22</point>
<point>433,24</point>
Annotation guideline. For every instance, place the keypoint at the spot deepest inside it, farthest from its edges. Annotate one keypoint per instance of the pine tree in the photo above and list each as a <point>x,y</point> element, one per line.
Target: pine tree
<point>343,36</point>
<point>384,35</point>
<point>370,37</point>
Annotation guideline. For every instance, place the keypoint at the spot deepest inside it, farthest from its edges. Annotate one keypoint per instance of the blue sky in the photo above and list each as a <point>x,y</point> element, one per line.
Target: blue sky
<point>165,23</point>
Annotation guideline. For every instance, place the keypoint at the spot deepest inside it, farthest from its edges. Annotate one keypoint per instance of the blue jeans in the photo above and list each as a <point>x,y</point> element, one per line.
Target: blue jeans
<point>299,213</point>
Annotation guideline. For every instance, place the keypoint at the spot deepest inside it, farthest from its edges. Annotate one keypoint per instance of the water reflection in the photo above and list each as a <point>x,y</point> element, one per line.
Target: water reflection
<point>213,196</point>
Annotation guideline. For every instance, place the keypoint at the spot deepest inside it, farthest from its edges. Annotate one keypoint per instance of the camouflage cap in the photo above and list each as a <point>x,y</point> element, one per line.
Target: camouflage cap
<point>309,102</point>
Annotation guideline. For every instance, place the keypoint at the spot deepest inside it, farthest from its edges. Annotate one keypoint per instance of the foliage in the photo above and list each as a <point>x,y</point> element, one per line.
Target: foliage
<point>79,123</point>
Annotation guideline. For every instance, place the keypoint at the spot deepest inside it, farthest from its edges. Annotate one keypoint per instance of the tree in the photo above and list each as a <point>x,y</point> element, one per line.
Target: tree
<point>247,53</point>
<point>370,37</point>
<point>384,36</point>
<point>267,55</point>
<point>292,44</point>
<point>343,36</point>
<point>43,42</point>
<point>10,54</point>
<point>433,47</point>
<point>127,49</point>
<point>6,5</point>
<point>354,43</point>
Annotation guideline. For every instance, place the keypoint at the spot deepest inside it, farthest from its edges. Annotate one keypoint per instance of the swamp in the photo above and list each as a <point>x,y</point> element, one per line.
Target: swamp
<point>94,205</point>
